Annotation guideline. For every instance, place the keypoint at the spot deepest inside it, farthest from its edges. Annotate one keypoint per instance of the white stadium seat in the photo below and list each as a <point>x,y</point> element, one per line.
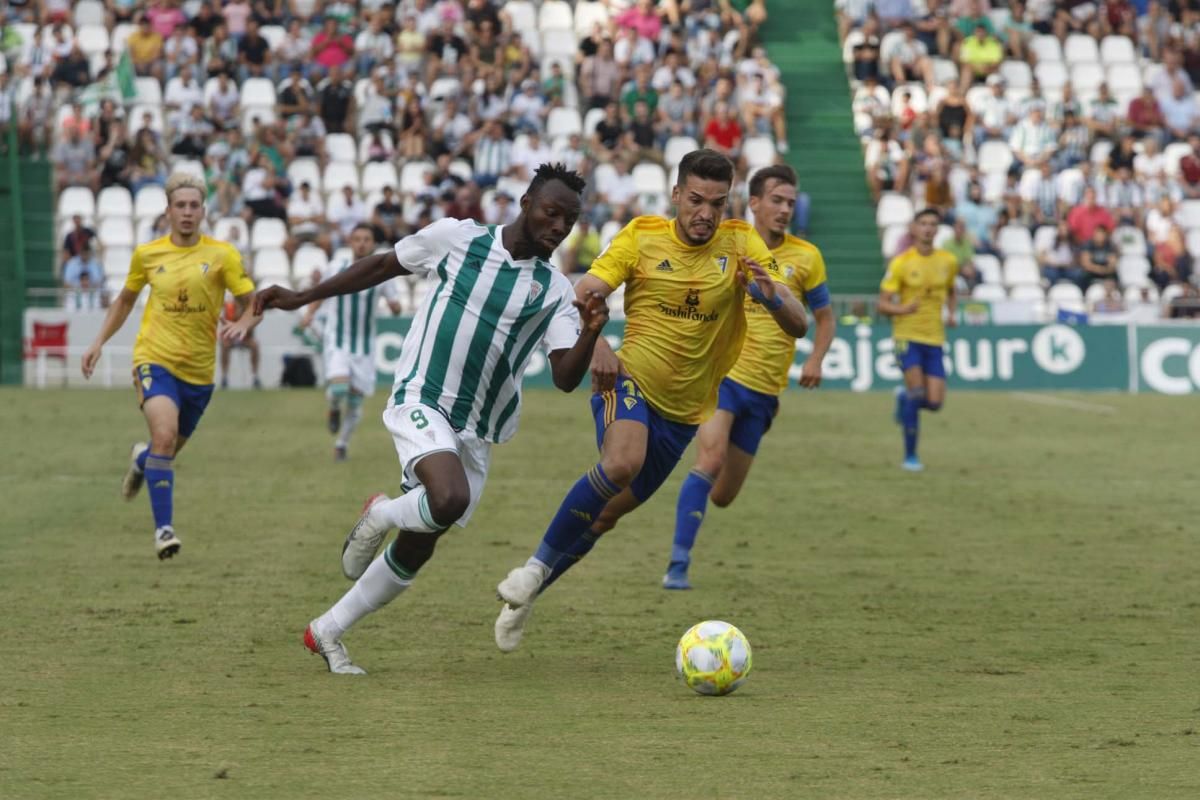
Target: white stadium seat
<point>893,209</point>
<point>1130,241</point>
<point>944,71</point>
<point>994,156</point>
<point>150,201</point>
<point>93,40</point>
<point>305,169</point>
<point>412,176</point>
<point>271,264</point>
<point>591,119</point>
<point>116,232</point>
<point>1124,78</point>
<point>1188,214</point>
<point>1095,293</point>
<point>309,258</point>
<point>523,16</point>
<point>268,232</point>
<point>224,227</point>
<point>76,200</point>
<point>338,175</point>
<point>649,179</point>
<point>88,12</point>
<point>274,34</point>
<point>1117,50</point>
<point>1021,270</point>
<point>1080,48</point>
<point>676,148</point>
<point>1016,74</point>
<point>149,92</point>
<point>563,122</point>
<point>1046,48</point>
<point>340,147</point>
<point>1051,75</point>
<point>892,236</point>
<point>759,151</point>
<point>1133,270</point>
<point>1027,292</point>
<point>1014,240</point>
<point>988,267</point>
<point>588,14</point>
<point>989,292</point>
<point>116,261</point>
<point>1086,77</point>
<point>114,201</point>
<point>364,145</point>
<point>258,92</point>
<point>379,174</point>
<point>555,14</point>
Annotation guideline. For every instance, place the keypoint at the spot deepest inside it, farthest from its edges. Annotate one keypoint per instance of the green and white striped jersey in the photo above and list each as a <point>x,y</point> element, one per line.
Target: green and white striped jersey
<point>473,335</point>
<point>350,318</point>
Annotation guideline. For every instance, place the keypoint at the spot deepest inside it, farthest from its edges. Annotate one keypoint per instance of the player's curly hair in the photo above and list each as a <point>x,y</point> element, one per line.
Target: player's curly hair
<point>556,172</point>
<point>185,180</point>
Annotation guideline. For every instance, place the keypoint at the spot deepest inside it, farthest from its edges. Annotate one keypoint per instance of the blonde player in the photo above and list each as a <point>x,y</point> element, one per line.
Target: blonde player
<point>749,395</point>
<point>175,353</point>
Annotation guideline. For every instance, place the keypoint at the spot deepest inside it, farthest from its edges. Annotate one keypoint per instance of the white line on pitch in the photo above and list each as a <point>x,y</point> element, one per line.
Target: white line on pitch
<point>1063,402</point>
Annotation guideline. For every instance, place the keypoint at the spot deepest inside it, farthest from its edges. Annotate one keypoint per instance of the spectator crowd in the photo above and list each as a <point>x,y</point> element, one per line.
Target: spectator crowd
<point>307,118</point>
<point>1060,139</point>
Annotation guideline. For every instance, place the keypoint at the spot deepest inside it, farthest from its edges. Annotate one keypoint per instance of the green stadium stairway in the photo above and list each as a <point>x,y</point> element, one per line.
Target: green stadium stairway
<point>28,203</point>
<point>801,38</point>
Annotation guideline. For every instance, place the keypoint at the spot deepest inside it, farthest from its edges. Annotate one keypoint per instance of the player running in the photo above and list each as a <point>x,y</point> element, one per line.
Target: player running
<point>918,283</point>
<point>749,395</point>
<point>458,380</point>
<point>348,333</point>
<point>685,324</point>
<point>175,352</point>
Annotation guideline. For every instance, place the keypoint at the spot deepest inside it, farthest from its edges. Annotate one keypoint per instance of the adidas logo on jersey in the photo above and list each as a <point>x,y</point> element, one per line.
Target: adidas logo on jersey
<point>664,266</point>
<point>160,270</point>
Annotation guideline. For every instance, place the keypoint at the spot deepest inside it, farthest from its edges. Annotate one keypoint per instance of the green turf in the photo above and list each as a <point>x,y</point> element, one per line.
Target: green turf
<point>1020,621</point>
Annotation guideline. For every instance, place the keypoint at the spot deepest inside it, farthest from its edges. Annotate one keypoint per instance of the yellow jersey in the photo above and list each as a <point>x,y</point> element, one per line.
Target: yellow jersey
<point>769,351</point>
<point>187,293</point>
<point>684,316</point>
<point>926,279</point>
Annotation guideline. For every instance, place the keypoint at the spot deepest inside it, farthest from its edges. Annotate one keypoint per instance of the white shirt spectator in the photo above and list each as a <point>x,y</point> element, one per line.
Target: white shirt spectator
<point>1149,166</point>
<point>454,128</point>
<point>664,76</point>
<point>224,103</point>
<point>375,43</point>
<point>300,208</point>
<point>1158,225</point>
<point>345,215</point>
<point>1032,140</point>
<point>181,50</point>
<point>254,186</point>
<point>996,113</point>
<point>528,108</point>
<point>182,95</point>
<point>618,190</point>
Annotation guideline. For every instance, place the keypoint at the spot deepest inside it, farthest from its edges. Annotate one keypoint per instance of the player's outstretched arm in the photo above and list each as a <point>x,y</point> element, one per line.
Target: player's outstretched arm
<point>362,274</point>
<point>118,312</point>
<point>569,366</point>
<point>784,306</point>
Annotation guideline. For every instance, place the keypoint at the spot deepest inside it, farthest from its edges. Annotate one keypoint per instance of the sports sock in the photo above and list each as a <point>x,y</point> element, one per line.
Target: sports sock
<point>410,512</point>
<point>160,480</point>
<point>575,516</point>
<point>382,583</point>
<point>337,393</point>
<point>909,411</point>
<point>689,514</point>
<point>581,547</point>
<point>350,419</point>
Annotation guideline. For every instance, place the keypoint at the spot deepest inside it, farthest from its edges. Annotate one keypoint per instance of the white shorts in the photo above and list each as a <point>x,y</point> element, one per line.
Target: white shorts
<point>419,430</point>
<point>359,369</point>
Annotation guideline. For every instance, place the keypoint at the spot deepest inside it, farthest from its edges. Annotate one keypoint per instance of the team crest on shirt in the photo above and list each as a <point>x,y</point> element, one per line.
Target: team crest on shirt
<point>788,271</point>
<point>204,268</point>
<point>693,297</point>
<point>722,262</point>
<point>535,291</point>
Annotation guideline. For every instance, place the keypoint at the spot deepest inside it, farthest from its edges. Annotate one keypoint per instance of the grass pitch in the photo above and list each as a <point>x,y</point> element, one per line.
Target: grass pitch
<point>1020,621</point>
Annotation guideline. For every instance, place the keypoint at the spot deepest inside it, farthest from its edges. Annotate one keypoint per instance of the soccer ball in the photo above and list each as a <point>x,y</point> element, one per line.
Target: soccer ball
<point>713,657</point>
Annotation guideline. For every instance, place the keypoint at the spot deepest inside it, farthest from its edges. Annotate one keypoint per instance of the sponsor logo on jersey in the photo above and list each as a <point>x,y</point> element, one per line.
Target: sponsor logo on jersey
<point>689,309</point>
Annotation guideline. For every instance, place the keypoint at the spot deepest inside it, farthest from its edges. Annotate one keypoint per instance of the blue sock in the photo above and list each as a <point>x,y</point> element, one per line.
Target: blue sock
<point>582,546</point>
<point>908,418</point>
<point>689,514</point>
<point>578,511</point>
<point>160,481</point>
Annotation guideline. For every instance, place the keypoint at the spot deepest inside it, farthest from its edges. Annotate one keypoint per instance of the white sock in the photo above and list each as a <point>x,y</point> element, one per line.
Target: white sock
<point>409,512</point>
<point>349,423</point>
<point>378,586</point>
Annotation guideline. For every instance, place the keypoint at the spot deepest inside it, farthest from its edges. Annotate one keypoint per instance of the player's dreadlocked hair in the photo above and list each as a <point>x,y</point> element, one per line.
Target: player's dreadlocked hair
<point>556,172</point>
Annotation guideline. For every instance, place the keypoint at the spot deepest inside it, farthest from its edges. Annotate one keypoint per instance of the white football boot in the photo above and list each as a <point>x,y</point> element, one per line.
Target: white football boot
<point>134,477</point>
<point>521,586</point>
<point>510,626</point>
<point>365,537</point>
<point>332,650</point>
<point>166,543</point>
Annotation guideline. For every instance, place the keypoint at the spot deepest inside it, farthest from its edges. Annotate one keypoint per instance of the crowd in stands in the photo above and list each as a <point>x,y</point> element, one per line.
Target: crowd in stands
<point>1059,138</point>
<point>306,118</point>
